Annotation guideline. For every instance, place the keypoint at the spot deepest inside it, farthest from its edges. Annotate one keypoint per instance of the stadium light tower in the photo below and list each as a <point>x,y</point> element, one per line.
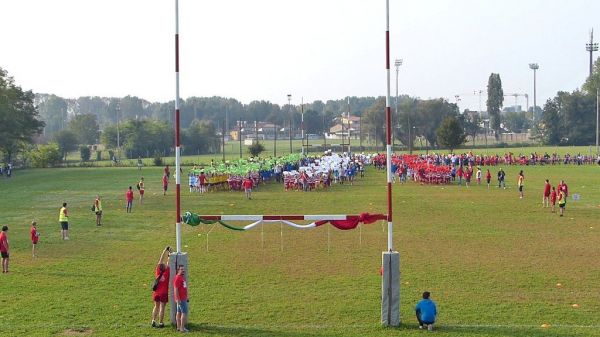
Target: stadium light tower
<point>534,67</point>
<point>591,47</point>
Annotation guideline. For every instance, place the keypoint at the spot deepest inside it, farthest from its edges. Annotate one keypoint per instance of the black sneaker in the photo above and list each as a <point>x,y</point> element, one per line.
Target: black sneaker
<point>153,324</point>
<point>161,325</point>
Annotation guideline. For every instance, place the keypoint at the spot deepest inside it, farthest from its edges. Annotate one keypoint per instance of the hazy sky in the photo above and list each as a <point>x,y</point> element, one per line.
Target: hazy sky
<point>316,49</point>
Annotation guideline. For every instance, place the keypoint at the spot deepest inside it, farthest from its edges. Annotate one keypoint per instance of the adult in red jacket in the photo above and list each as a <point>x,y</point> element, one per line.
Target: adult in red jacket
<point>160,296</point>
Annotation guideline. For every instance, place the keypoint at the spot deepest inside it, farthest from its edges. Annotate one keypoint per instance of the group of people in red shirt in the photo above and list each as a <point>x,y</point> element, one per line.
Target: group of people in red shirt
<point>160,294</point>
<point>552,195</point>
<point>5,247</point>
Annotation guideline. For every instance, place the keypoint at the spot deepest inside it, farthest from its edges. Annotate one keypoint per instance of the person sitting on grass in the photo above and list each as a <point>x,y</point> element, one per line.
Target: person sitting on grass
<point>426,312</point>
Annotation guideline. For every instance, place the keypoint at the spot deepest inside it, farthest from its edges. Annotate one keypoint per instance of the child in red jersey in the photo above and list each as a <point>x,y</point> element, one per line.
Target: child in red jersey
<point>247,184</point>
<point>488,177</point>
<point>35,237</point>
<point>553,199</point>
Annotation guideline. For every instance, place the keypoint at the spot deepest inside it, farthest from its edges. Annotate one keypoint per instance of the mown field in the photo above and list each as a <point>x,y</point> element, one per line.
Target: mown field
<point>493,262</point>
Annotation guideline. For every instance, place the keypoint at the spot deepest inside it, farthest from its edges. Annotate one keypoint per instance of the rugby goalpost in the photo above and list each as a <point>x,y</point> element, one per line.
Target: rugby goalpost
<point>390,284</point>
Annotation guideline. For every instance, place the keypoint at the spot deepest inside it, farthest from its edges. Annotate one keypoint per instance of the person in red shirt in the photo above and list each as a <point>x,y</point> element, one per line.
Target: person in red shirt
<point>129,198</point>
<point>4,248</point>
<point>546,198</point>
<point>247,184</point>
<point>459,174</point>
<point>35,237</point>
<point>165,181</point>
<point>553,199</point>
<point>488,177</point>
<point>167,172</point>
<point>202,181</point>
<point>160,294</point>
<point>181,298</point>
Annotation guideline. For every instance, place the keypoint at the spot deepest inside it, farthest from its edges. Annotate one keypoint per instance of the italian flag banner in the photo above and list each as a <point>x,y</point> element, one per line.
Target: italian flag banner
<point>343,222</point>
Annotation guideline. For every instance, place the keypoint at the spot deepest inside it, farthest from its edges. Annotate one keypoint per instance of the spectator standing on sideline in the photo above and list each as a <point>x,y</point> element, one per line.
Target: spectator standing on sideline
<point>129,197</point>
<point>98,210</point>
<point>165,183</point>
<point>247,184</point>
<point>63,218</point>
<point>4,248</point>
<point>546,198</point>
<point>35,237</point>
<point>180,293</point>
<point>426,311</point>
<point>520,184</point>
<point>139,163</point>
<point>160,296</point>
<point>142,190</point>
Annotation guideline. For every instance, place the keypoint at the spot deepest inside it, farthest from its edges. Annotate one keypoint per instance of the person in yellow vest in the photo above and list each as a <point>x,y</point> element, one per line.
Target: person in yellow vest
<point>520,184</point>
<point>63,218</point>
<point>98,210</point>
<point>562,201</point>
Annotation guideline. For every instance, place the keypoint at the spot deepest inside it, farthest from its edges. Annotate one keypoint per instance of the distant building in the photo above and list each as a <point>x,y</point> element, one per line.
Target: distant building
<point>345,126</point>
<point>253,130</point>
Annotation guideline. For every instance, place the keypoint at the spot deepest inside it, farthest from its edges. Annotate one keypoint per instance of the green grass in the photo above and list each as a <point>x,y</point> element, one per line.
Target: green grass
<point>491,260</point>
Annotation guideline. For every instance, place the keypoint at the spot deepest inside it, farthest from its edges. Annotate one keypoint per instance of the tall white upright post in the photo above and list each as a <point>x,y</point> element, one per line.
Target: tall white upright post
<point>390,283</point>
<point>180,259</point>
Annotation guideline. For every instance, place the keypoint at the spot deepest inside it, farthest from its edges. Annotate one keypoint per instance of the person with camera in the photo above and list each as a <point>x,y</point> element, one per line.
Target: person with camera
<point>160,288</point>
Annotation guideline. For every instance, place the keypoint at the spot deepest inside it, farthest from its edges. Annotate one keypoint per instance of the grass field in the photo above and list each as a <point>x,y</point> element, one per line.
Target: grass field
<point>491,261</point>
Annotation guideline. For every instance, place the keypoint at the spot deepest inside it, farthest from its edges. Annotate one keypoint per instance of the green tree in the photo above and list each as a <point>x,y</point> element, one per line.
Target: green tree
<point>66,141</point>
<point>85,153</point>
<point>256,149</point>
<point>471,124</point>
<point>200,138</point>
<point>451,134</point>
<point>86,128</point>
<point>19,119</point>
<point>429,116</point>
<point>494,102</point>
<point>516,121</point>
<point>374,120</point>
<point>593,82</point>
<point>53,111</point>
<point>550,127</point>
<point>45,156</point>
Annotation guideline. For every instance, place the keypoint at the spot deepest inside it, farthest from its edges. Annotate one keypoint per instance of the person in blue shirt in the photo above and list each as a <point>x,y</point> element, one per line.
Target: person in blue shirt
<point>426,312</point>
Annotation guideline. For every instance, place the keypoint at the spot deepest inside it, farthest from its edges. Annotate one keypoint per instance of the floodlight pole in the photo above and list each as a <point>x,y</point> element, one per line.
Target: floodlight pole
<point>534,67</point>
<point>597,119</point>
<point>289,97</point>
<point>302,123</point>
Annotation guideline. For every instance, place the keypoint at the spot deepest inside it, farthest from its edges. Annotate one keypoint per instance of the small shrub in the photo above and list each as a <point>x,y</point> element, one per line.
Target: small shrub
<point>158,161</point>
<point>256,149</point>
<point>85,153</point>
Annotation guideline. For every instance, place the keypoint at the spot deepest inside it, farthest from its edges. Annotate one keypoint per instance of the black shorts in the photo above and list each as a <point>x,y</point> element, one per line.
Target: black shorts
<point>521,188</point>
<point>562,205</point>
<point>64,225</point>
<point>99,213</point>
<point>4,255</point>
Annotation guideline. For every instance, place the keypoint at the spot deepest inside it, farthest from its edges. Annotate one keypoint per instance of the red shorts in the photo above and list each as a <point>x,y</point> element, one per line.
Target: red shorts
<point>164,298</point>
<point>35,241</point>
<point>141,192</point>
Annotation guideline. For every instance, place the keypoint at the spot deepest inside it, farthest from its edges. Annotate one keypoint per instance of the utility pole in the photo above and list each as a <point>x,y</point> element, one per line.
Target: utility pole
<point>485,125</point>
<point>302,123</point>
<point>591,47</point>
<point>349,124</point>
<point>597,118</point>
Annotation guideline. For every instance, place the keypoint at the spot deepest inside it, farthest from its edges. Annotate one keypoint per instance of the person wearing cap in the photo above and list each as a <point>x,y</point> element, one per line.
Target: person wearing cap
<point>426,311</point>
<point>4,248</point>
